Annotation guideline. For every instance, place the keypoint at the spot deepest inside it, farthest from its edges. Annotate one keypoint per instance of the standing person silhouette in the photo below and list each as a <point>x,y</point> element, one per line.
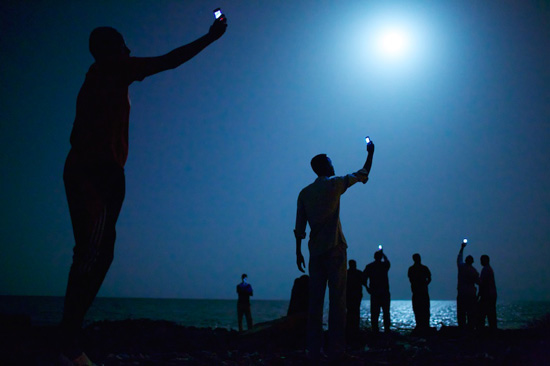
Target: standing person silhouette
<point>354,295</point>
<point>319,206</point>
<point>378,286</point>
<point>468,277</point>
<point>244,290</point>
<point>420,277</point>
<point>487,294</point>
<point>94,168</point>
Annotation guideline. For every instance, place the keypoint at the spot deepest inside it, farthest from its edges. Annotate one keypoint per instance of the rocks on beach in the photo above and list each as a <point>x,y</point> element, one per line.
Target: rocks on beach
<point>281,342</point>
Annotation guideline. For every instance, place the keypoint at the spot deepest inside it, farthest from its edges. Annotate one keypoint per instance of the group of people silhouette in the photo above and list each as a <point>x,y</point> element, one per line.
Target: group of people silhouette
<point>95,188</point>
<point>319,207</point>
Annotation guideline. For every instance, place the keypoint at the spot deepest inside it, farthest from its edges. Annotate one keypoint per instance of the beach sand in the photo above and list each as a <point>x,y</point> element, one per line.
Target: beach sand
<point>147,342</point>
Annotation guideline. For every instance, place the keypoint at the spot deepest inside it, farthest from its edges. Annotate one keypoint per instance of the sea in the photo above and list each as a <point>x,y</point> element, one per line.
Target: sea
<point>44,311</point>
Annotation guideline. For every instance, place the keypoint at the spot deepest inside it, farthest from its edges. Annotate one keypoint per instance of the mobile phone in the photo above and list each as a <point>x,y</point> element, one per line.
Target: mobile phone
<point>465,241</point>
<point>380,247</point>
<point>367,140</point>
<point>218,14</point>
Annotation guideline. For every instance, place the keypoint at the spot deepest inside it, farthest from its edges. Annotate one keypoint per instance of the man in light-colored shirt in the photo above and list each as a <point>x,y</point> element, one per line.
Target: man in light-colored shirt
<point>319,206</point>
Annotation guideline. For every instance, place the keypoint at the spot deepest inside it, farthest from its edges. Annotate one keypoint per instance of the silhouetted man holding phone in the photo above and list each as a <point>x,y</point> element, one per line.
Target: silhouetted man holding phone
<point>466,299</point>
<point>319,206</point>
<point>378,286</point>
<point>94,169</point>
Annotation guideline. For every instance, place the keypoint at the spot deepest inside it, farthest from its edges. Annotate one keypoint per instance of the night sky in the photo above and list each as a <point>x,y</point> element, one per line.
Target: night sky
<point>220,147</point>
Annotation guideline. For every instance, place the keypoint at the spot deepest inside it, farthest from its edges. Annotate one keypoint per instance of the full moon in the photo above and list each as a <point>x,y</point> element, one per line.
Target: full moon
<point>393,43</point>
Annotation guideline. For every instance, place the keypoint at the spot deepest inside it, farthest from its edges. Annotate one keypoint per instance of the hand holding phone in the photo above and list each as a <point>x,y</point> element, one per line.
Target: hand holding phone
<point>220,24</point>
<point>218,14</point>
<point>370,144</point>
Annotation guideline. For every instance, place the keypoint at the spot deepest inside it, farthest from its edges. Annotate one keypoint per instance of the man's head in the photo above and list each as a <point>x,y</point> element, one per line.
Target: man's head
<point>352,264</point>
<point>243,276</point>
<point>378,255</point>
<point>107,43</point>
<point>484,260</point>
<point>469,260</point>
<point>416,258</point>
<point>322,165</point>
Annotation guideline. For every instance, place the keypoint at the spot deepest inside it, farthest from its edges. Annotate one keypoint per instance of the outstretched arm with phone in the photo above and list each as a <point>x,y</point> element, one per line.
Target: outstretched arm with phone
<point>370,153</point>
<point>147,66</point>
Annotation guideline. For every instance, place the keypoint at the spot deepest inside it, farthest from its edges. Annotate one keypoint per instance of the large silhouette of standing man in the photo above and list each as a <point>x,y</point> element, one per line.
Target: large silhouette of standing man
<point>94,168</point>
<point>354,295</point>
<point>244,290</point>
<point>468,277</point>
<point>420,277</point>
<point>378,286</point>
<point>319,206</point>
<point>487,294</point>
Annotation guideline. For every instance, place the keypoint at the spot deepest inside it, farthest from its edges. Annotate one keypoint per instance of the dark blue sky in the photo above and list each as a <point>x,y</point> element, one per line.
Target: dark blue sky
<point>220,148</point>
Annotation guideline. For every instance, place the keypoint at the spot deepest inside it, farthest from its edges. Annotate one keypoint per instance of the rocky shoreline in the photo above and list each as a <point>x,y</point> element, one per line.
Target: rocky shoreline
<point>146,342</point>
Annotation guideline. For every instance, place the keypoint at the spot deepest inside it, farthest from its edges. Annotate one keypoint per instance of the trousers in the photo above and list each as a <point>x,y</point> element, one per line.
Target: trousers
<point>327,268</point>
<point>95,192</point>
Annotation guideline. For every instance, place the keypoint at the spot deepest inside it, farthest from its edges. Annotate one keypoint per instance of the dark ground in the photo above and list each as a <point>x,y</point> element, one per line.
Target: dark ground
<point>145,342</point>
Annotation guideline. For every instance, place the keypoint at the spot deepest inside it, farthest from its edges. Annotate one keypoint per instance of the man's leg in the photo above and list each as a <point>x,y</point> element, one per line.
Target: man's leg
<point>482,313</point>
<point>318,277</point>
<point>94,204</point>
<point>353,317</point>
<point>375,313</point>
<point>386,312</point>
<point>426,312</point>
<point>337,280</point>
<point>492,313</point>
<point>240,314</point>
<point>248,314</point>
<point>416,311</point>
<point>471,312</point>
<point>460,312</point>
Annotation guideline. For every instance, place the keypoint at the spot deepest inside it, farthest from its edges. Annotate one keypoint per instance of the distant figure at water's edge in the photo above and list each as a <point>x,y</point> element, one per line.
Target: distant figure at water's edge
<point>378,286</point>
<point>466,300</point>
<point>420,277</point>
<point>244,291</point>
<point>487,295</point>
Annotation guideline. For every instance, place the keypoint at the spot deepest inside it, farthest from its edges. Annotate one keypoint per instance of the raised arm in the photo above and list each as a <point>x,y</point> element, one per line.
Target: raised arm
<point>370,153</point>
<point>460,258</point>
<point>386,260</point>
<point>147,66</point>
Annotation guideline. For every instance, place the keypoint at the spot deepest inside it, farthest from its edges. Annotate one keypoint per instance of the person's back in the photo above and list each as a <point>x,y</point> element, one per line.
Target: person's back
<point>487,285</point>
<point>468,277</point>
<point>377,272</point>
<point>299,296</point>
<point>355,280</point>
<point>244,290</point>
<point>100,129</point>
<point>321,205</point>
<point>419,277</point>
